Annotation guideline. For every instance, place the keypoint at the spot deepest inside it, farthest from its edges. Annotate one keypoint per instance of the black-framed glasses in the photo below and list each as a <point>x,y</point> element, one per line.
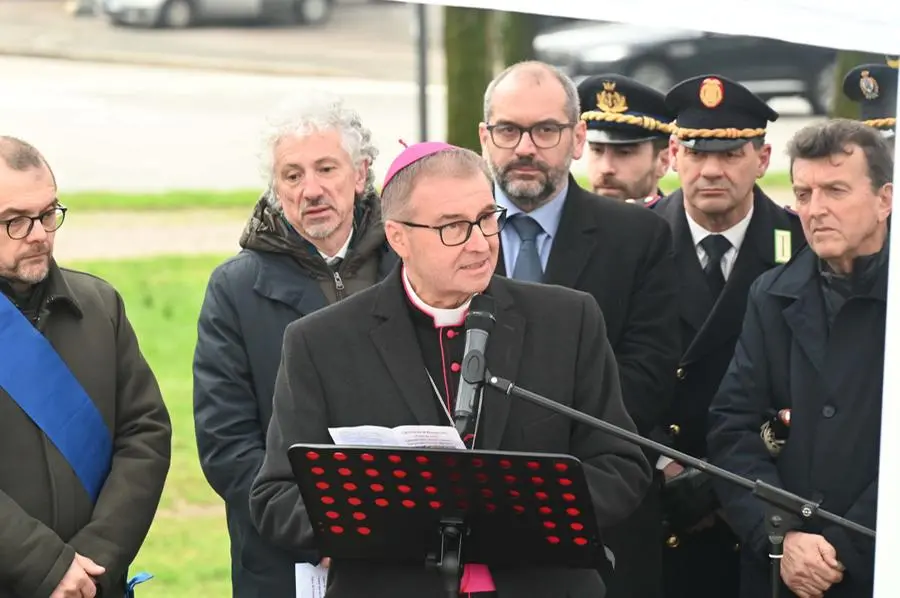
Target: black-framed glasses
<point>21,226</point>
<point>458,232</point>
<point>545,135</point>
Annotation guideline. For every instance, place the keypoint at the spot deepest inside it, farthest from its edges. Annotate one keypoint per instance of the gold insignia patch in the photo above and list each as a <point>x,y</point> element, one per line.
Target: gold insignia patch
<point>868,85</point>
<point>610,100</point>
<point>783,246</point>
<point>893,61</point>
<point>712,92</point>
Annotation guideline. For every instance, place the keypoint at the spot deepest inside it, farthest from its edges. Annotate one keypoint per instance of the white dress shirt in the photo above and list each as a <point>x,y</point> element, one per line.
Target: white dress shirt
<point>341,254</point>
<point>735,236</point>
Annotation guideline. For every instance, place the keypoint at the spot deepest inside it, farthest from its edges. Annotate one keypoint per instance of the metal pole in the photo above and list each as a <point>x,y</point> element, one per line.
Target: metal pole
<point>422,55</point>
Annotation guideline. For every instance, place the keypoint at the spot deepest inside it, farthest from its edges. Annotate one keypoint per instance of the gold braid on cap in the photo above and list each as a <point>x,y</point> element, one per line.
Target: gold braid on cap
<point>645,122</point>
<point>729,133</point>
<point>880,123</point>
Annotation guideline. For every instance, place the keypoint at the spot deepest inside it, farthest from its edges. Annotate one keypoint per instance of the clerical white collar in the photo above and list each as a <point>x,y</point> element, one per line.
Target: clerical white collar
<point>442,317</point>
<point>341,254</point>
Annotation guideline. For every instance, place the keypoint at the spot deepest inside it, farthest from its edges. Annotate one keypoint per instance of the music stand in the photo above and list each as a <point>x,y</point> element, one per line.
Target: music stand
<point>443,508</point>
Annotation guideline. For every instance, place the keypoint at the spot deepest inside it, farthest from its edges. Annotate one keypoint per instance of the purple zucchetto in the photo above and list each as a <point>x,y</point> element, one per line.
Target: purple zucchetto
<point>414,153</point>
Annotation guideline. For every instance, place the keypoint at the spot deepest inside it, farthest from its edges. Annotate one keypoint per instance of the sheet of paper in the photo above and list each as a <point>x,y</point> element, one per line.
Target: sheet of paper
<point>364,436</point>
<point>310,580</point>
<point>405,436</point>
<point>430,437</point>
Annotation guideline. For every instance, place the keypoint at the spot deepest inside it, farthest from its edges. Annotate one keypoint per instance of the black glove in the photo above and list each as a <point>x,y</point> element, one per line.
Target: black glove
<point>687,499</point>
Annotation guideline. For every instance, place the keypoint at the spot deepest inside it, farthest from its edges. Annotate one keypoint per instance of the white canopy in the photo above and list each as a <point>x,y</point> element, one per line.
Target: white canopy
<point>865,25</point>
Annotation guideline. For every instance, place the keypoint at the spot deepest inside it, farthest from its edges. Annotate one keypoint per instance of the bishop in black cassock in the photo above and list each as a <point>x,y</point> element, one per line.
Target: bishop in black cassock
<point>390,356</point>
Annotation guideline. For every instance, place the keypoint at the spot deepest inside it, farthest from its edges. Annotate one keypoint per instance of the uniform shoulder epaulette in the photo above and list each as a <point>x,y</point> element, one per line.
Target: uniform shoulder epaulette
<point>652,202</point>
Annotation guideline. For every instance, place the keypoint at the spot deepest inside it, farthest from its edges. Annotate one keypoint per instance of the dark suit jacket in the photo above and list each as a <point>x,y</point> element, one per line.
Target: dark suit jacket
<point>706,563</point>
<point>709,331</point>
<point>621,254</point>
<point>358,362</point>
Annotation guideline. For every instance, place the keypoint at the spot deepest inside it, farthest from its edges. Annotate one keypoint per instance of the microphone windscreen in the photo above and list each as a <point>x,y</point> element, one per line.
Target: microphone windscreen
<point>481,313</point>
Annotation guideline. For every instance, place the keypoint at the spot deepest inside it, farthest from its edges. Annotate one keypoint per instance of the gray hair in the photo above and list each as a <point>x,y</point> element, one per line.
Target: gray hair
<point>457,163</point>
<point>313,111</point>
<point>21,156</point>
<point>537,70</point>
<point>838,136</point>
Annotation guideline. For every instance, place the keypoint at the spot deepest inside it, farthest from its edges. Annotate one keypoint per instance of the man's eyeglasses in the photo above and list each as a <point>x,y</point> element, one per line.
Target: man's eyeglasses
<point>456,233</point>
<point>21,226</point>
<point>545,135</point>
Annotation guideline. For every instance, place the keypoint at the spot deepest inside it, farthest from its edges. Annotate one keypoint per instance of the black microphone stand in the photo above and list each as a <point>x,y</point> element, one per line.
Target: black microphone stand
<point>782,506</point>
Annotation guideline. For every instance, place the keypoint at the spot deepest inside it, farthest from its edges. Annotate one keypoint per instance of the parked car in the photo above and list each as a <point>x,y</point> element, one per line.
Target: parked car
<point>83,8</point>
<point>178,14</point>
<point>661,58</point>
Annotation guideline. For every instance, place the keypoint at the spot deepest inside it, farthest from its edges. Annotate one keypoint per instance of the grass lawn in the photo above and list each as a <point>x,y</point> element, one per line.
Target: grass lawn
<point>187,549</point>
<point>182,200</point>
<point>172,200</point>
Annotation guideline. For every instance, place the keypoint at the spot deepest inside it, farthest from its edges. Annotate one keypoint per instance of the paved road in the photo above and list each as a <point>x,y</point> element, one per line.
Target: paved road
<point>129,128</point>
<point>138,128</point>
<point>364,39</point>
<point>95,236</point>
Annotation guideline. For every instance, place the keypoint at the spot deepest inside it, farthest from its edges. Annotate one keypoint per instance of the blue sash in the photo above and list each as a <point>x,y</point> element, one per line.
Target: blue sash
<point>136,581</point>
<point>37,379</point>
<point>34,375</point>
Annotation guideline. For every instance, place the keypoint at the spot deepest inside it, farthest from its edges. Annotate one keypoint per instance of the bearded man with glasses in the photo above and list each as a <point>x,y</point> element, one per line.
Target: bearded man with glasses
<point>83,428</point>
<point>620,253</point>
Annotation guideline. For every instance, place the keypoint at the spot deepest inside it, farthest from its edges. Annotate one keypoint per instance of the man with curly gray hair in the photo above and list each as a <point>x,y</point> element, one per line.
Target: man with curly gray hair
<point>314,238</point>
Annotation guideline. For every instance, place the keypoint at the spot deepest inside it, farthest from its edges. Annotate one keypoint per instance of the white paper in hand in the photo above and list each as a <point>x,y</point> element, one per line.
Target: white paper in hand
<point>310,580</point>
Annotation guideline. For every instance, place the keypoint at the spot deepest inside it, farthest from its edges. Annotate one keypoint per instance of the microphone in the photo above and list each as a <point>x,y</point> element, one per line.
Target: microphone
<point>479,323</point>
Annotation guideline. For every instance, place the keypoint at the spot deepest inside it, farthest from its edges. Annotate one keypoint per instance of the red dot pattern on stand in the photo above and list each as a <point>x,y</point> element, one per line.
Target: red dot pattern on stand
<point>535,488</point>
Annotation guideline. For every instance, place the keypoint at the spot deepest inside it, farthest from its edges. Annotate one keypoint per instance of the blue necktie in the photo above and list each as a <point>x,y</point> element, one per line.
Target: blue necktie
<point>528,262</point>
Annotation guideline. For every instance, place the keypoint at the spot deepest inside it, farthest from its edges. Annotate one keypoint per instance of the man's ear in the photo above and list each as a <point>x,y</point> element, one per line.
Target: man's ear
<point>484,136</point>
<point>886,201</point>
<point>396,235</point>
<point>765,158</point>
<point>663,162</point>
<point>362,175</point>
<point>674,146</point>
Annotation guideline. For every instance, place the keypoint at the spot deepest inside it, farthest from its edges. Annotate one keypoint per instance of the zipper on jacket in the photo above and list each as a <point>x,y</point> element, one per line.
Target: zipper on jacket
<point>41,317</point>
<point>338,285</point>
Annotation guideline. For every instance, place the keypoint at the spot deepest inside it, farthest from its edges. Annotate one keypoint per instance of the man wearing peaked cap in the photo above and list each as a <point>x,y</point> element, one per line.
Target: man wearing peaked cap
<point>628,128</point>
<point>715,114</point>
<point>726,232</point>
<point>874,88</point>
